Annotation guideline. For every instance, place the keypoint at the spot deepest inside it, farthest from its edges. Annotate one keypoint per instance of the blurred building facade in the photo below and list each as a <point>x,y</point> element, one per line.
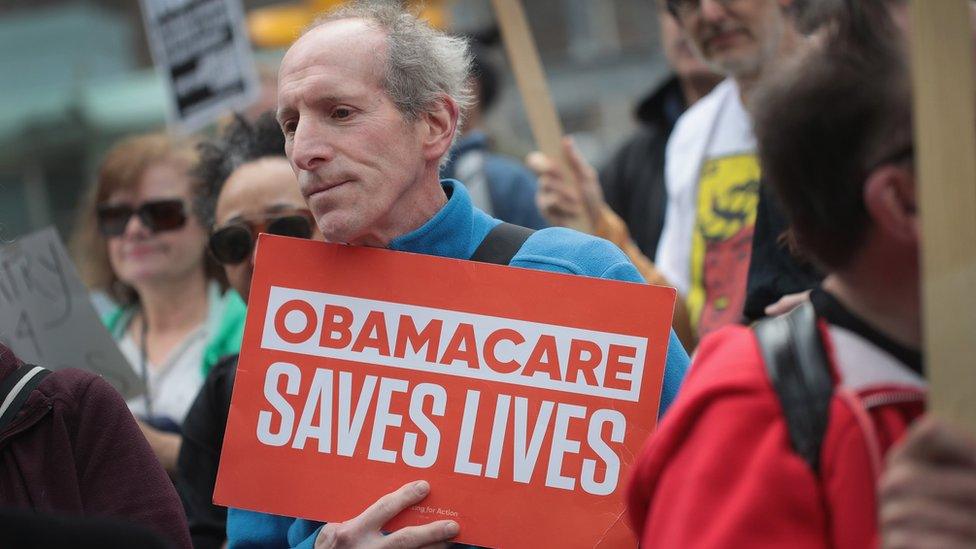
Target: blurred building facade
<point>76,75</point>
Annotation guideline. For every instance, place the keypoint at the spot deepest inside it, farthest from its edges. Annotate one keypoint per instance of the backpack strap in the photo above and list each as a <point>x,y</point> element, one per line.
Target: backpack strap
<point>501,244</point>
<point>799,370</point>
<point>15,389</point>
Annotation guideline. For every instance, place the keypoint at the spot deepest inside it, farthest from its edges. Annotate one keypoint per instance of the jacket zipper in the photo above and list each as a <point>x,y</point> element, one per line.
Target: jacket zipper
<point>888,399</point>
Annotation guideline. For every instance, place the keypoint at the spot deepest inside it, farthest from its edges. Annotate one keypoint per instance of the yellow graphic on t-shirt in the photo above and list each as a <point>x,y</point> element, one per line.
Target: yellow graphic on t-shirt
<point>728,193</point>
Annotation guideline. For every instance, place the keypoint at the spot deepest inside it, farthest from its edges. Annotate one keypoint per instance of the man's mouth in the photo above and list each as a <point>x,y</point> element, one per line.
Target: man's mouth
<point>319,188</point>
<point>722,40</point>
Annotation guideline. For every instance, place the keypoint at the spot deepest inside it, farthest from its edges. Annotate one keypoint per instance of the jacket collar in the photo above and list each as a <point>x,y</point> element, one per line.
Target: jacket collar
<point>864,366</point>
<point>664,105</point>
<point>450,233</point>
<point>865,358</point>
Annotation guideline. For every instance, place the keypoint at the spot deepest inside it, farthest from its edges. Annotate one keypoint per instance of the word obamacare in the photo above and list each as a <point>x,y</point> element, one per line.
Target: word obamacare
<point>337,410</point>
<point>454,343</point>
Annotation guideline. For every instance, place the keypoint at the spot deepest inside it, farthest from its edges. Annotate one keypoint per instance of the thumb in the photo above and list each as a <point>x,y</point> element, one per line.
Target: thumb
<point>585,177</point>
<point>539,163</point>
<point>580,167</point>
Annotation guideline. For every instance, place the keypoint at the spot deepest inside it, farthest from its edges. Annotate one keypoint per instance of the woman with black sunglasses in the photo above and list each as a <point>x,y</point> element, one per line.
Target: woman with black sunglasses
<point>249,188</point>
<point>145,248</point>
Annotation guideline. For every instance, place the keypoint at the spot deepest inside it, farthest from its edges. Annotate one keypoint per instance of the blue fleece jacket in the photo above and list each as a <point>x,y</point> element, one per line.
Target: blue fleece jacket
<point>456,231</point>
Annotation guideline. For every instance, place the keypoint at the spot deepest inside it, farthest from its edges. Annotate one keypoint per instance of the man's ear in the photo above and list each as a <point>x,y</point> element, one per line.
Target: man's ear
<point>889,197</point>
<point>437,128</point>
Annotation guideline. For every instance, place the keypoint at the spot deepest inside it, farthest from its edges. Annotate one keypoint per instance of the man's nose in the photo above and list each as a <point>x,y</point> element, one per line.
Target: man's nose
<point>310,146</point>
<point>712,10</point>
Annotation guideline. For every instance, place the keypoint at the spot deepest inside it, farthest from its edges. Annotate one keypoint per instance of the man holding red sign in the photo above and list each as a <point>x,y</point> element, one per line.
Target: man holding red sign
<point>369,102</point>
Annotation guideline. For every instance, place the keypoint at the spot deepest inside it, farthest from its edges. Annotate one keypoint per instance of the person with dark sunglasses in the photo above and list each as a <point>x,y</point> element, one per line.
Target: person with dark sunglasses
<point>232,242</point>
<point>144,246</point>
<point>248,187</point>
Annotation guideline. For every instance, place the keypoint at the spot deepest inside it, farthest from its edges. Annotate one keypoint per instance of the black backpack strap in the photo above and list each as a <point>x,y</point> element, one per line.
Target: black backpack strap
<point>15,389</point>
<point>501,244</point>
<point>797,365</point>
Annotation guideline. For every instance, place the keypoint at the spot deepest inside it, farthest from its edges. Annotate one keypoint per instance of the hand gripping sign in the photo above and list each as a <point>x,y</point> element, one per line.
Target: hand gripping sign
<point>521,396</point>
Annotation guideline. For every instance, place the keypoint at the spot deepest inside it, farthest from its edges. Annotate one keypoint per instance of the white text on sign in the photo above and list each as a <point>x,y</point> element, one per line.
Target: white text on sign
<point>454,343</point>
<point>495,435</point>
<point>334,402</point>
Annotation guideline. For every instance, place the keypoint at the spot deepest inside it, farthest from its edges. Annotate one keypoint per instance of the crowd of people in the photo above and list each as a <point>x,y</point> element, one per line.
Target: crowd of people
<point>771,182</point>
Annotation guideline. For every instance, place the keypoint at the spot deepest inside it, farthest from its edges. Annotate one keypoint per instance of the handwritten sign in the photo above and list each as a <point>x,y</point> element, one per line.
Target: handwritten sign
<point>46,317</point>
<point>521,396</point>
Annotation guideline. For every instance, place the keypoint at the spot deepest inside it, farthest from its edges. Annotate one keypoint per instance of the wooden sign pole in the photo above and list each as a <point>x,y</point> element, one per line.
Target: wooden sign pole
<point>945,144</point>
<point>531,80</point>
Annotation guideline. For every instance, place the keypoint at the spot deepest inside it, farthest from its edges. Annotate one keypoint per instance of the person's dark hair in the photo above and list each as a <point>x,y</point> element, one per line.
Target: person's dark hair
<point>826,120</point>
<point>239,143</point>
<point>485,73</point>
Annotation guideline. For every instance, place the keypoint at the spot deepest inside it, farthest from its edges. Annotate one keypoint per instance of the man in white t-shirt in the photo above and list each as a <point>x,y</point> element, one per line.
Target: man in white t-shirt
<point>711,169</point>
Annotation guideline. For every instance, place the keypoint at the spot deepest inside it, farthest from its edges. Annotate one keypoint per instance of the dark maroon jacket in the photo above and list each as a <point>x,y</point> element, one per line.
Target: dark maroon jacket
<point>75,448</point>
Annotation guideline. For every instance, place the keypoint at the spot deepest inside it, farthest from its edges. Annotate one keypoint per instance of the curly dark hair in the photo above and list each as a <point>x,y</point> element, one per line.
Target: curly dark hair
<point>239,143</point>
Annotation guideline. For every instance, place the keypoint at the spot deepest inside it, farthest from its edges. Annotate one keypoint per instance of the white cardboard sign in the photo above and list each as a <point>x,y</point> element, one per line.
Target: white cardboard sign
<point>47,318</point>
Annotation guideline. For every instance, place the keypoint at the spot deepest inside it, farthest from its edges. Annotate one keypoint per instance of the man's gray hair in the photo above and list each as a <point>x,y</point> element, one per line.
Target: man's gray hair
<point>423,63</point>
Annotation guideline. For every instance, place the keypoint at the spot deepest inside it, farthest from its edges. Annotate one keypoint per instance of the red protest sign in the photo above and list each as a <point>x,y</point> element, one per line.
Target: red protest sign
<point>521,396</point>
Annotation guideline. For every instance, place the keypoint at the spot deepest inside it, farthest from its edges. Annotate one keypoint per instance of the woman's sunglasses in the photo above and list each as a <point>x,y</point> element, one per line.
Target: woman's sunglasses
<point>156,215</point>
<point>234,243</point>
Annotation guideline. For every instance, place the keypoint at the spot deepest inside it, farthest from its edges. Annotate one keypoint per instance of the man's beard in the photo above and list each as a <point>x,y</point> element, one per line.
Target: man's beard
<point>753,64</point>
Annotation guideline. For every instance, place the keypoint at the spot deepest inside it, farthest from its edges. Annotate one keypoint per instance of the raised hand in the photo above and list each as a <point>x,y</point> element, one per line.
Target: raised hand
<point>571,200</point>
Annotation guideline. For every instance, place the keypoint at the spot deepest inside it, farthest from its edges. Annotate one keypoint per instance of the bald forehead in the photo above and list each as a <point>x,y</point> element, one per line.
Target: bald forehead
<point>343,40</point>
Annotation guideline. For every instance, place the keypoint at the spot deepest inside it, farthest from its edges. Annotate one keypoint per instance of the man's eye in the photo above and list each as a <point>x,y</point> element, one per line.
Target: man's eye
<point>288,127</point>
<point>341,113</point>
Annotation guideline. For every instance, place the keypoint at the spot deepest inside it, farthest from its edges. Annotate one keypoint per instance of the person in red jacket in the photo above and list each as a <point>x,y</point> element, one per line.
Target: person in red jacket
<point>724,468</point>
